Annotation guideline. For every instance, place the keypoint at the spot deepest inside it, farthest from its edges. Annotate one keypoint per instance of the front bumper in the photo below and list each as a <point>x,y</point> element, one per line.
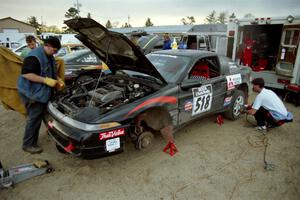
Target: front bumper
<point>86,144</point>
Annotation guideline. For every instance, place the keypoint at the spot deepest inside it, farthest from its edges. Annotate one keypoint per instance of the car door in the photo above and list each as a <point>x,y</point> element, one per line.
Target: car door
<point>203,90</point>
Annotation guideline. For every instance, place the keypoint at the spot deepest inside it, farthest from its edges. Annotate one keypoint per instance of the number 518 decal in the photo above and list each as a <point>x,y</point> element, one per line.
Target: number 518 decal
<point>202,98</point>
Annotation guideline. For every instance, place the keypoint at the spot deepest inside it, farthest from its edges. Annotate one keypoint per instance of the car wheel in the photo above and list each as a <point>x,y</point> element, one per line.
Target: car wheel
<point>238,99</point>
<point>144,140</point>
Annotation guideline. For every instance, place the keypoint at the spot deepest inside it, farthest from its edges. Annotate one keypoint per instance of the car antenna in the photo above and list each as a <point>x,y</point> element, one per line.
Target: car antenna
<point>106,59</point>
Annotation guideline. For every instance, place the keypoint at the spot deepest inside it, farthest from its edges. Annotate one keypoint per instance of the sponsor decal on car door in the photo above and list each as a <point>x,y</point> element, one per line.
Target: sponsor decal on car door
<point>233,80</point>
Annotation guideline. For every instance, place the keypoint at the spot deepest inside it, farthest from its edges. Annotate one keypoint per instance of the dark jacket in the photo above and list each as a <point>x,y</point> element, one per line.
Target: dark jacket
<point>38,91</point>
<point>167,44</point>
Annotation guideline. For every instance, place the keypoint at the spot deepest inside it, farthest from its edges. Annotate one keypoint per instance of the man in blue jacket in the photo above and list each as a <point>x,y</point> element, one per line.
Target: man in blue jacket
<point>167,42</point>
<point>35,86</point>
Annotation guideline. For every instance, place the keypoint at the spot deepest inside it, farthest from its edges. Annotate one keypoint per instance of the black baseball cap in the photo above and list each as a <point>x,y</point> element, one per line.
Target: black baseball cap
<point>53,42</point>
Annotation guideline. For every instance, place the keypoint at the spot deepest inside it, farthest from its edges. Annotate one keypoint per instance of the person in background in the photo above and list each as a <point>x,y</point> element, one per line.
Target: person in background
<point>31,44</point>
<point>267,108</point>
<point>167,42</point>
<point>35,86</point>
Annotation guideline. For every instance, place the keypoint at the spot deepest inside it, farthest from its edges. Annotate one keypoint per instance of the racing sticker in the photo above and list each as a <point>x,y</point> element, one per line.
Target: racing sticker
<point>227,101</point>
<point>233,80</point>
<point>188,105</point>
<point>202,98</point>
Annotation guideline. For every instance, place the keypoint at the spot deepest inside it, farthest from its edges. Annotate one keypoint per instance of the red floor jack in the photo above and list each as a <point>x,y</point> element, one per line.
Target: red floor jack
<point>23,172</point>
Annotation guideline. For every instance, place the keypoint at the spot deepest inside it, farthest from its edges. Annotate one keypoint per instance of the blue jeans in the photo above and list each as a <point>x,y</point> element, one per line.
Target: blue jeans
<point>35,112</point>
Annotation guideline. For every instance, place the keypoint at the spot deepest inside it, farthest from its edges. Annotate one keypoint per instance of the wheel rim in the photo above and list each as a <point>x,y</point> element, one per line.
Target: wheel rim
<point>145,140</point>
<point>237,105</point>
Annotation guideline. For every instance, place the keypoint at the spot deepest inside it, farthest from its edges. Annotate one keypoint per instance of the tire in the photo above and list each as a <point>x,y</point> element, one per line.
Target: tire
<point>238,99</point>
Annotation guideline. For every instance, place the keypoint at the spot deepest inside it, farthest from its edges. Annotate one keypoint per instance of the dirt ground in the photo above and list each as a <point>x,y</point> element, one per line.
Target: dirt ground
<point>214,162</point>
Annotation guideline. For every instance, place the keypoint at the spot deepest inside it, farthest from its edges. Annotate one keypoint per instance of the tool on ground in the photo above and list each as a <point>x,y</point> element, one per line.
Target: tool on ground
<point>245,107</point>
<point>172,147</point>
<point>23,172</point>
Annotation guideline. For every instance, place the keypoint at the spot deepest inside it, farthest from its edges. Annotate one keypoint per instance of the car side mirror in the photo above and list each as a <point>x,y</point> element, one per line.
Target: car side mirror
<point>190,83</point>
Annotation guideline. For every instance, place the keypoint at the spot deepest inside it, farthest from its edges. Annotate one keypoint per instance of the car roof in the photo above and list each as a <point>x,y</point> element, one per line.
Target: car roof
<point>75,54</point>
<point>186,52</point>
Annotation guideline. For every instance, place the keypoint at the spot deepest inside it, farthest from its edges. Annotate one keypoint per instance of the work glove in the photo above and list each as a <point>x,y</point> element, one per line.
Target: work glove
<point>50,82</point>
<point>60,85</point>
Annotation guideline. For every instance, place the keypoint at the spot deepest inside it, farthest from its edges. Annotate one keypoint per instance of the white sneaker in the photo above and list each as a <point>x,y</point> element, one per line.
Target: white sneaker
<point>261,128</point>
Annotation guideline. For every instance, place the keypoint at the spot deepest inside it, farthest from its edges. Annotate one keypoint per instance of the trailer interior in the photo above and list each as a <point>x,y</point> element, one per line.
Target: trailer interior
<point>259,46</point>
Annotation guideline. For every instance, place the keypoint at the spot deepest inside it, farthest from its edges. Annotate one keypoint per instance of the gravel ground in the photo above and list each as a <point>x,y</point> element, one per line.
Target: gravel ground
<point>214,162</point>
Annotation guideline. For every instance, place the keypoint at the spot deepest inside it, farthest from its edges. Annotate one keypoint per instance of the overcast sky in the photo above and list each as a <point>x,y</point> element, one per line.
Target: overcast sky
<point>161,12</point>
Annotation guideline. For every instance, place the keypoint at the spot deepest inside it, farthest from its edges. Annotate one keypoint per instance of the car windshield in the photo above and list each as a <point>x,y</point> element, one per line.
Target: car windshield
<point>71,57</point>
<point>169,66</point>
<point>144,40</point>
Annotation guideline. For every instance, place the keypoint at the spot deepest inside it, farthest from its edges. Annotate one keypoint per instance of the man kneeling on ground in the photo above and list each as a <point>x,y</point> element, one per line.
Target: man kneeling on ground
<point>267,108</point>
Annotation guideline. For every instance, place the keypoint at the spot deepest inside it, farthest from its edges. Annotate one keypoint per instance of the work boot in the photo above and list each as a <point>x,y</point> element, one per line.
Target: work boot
<point>33,149</point>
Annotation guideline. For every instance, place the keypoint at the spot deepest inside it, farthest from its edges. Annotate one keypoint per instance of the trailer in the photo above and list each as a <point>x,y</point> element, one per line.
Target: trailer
<point>210,37</point>
<point>270,46</point>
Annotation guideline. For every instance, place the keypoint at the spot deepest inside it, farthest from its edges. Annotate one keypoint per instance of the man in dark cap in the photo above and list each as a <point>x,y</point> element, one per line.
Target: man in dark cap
<point>268,109</point>
<point>35,86</point>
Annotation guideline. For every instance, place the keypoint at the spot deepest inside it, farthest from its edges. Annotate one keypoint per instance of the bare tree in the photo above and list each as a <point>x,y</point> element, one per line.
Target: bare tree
<point>33,21</point>
<point>72,13</point>
<point>188,20</point>
<point>232,16</point>
<point>126,25</point>
<point>108,24</point>
<point>222,18</point>
<point>148,22</point>
<point>211,18</point>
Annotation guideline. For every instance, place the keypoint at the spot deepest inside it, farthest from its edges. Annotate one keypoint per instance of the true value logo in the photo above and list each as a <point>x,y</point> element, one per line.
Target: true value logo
<point>112,134</point>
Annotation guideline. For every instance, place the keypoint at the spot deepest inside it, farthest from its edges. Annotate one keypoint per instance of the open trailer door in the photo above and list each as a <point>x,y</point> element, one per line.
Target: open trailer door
<point>288,50</point>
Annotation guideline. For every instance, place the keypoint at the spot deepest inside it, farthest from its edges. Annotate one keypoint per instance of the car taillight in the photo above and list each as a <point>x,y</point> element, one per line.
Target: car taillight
<point>50,125</point>
<point>70,147</point>
<point>283,81</point>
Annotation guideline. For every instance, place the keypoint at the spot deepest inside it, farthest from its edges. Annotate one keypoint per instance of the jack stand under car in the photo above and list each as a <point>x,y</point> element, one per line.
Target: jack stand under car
<point>23,172</point>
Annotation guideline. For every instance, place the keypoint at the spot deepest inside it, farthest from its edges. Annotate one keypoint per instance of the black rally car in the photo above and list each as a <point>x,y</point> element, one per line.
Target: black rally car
<point>94,117</point>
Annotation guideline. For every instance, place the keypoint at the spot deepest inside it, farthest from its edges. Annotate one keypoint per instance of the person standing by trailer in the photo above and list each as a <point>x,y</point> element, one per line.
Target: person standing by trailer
<point>167,42</point>
<point>35,87</point>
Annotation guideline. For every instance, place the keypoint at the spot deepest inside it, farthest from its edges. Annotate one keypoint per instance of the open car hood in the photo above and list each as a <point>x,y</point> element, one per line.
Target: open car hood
<point>115,49</point>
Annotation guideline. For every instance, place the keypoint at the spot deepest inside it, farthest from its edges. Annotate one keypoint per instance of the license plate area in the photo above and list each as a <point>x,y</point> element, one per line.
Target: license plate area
<point>113,144</point>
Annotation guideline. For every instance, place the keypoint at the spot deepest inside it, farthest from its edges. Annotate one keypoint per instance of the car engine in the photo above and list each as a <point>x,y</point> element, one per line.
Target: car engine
<point>106,94</point>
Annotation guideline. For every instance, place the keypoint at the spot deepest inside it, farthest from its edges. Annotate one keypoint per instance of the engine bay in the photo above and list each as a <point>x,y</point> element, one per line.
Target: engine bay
<point>105,94</point>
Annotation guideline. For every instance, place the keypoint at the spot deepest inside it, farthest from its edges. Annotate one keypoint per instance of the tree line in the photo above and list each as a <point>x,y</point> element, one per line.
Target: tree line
<point>73,13</point>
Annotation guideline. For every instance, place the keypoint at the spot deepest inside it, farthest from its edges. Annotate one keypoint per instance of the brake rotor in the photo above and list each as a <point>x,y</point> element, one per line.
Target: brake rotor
<point>144,140</point>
